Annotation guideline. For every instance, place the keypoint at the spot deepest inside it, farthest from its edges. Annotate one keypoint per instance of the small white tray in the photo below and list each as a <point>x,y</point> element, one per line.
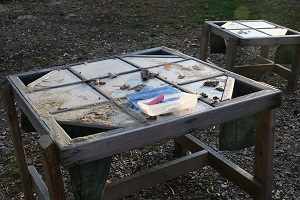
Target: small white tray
<point>182,101</point>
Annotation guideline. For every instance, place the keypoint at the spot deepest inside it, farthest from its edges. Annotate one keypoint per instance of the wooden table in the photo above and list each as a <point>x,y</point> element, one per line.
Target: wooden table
<point>256,33</point>
<point>83,115</point>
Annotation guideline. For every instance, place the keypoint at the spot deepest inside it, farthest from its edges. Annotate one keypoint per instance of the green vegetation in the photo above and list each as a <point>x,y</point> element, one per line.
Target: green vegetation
<point>42,61</point>
<point>28,68</point>
<point>286,14</point>
<point>151,146</point>
<point>191,12</point>
<point>9,158</point>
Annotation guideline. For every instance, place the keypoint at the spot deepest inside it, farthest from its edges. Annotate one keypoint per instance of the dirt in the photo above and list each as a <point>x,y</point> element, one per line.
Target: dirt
<point>42,34</point>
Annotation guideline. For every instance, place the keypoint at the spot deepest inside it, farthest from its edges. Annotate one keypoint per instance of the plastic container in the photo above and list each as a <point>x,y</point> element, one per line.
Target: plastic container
<point>149,94</point>
<point>171,103</point>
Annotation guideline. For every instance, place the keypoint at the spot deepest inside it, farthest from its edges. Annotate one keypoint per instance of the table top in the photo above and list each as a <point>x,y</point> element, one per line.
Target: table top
<point>256,29</point>
<point>84,107</point>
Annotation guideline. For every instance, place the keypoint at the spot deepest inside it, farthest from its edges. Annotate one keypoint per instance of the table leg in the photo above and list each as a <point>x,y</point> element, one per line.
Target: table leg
<point>204,42</point>
<point>9,104</point>
<point>264,149</point>
<point>51,168</point>
<point>231,54</point>
<point>264,51</point>
<point>292,83</point>
<point>179,150</point>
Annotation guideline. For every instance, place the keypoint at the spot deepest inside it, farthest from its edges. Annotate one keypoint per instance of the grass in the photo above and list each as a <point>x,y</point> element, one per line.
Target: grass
<point>197,11</point>
<point>286,14</point>
<point>42,61</point>
<point>9,158</point>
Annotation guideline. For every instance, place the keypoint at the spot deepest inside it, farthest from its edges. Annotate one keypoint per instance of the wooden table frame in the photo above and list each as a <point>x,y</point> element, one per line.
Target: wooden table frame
<point>264,65</point>
<point>258,186</point>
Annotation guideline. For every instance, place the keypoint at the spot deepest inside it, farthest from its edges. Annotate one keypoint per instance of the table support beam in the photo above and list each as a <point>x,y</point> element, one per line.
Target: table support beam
<point>264,51</point>
<point>38,184</point>
<point>264,149</point>
<point>156,175</point>
<point>9,104</point>
<point>229,170</point>
<point>254,69</point>
<point>204,42</point>
<point>231,53</point>
<point>292,83</point>
<point>51,168</point>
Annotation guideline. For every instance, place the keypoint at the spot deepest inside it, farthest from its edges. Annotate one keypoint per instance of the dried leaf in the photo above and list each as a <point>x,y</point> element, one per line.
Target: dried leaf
<point>211,83</point>
<point>125,87</point>
<point>112,75</point>
<point>180,76</point>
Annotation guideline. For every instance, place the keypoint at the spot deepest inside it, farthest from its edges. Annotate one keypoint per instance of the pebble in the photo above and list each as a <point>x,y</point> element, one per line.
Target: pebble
<point>26,17</point>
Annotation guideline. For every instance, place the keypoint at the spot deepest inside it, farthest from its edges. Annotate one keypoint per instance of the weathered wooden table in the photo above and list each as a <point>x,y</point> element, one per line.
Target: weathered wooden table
<point>256,33</point>
<point>84,118</point>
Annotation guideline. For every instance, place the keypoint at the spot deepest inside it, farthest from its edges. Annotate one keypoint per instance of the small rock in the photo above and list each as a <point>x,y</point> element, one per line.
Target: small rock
<point>296,112</point>
<point>72,15</point>
<point>195,45</point>
<point>277,195</point>
<point>3,148</point>
<point>26,17</point>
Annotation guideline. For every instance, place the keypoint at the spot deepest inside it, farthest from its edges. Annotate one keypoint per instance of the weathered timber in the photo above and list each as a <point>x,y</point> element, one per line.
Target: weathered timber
<point>17,140</point>
<point>264,151</point>
<point>229,170</point>
<point>156,175</point>
<point>38,184</point>
<point>51,168</point>
<point>254,69</point>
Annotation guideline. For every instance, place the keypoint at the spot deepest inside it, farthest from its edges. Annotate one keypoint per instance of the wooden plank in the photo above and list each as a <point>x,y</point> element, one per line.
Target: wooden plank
<point>232,44</point>
<point>204,41</point>
<point>51,168</point>
<point>254,95</point>
<point>272,40</point>
<point>284,72</point>
<point>210,62</point>
<point>38,184</point>
<point>229,170</point>
<point>264,51</point>
<point>263,60</point>
<point>292,83</point>
<point>122,140</point>
<point>254,69</point>
<point>264,150</point>
<point>156,175</point>
<point>241,80</point>
<point>9,105</point>
<point>28,110</point>
<point>179,150</point>
<point>228,91</point>
<point>189,143</point>
<point>45,77</point>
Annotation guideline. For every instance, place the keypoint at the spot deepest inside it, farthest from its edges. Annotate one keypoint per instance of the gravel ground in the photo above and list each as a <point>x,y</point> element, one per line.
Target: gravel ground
<point>37,35</point>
